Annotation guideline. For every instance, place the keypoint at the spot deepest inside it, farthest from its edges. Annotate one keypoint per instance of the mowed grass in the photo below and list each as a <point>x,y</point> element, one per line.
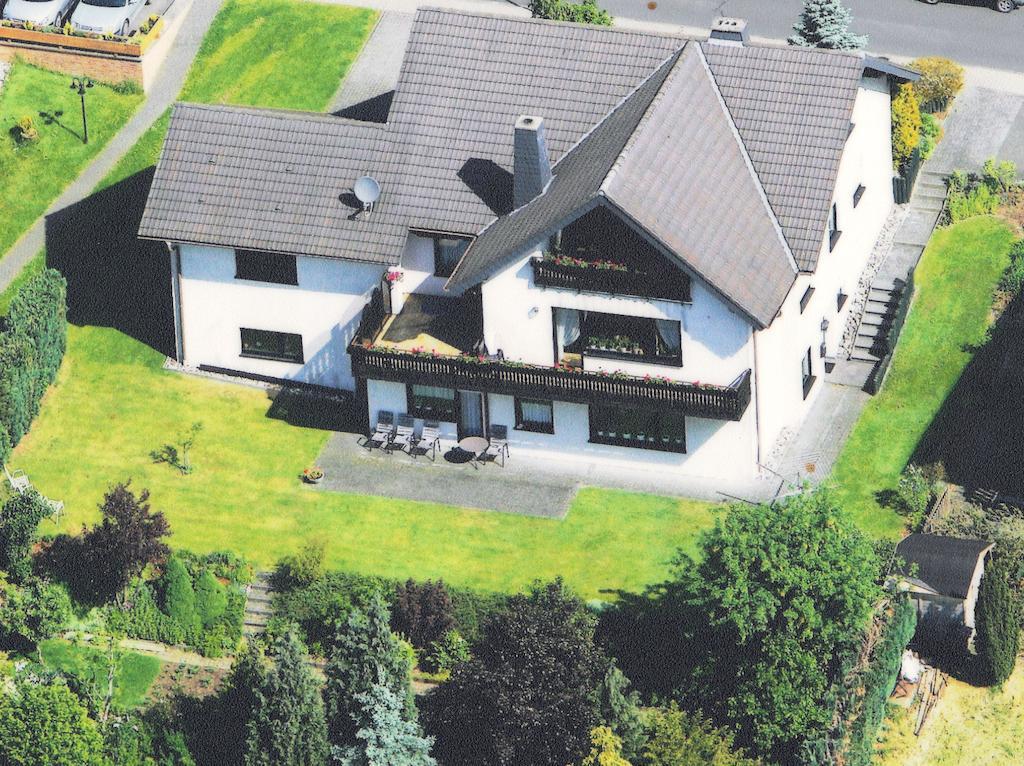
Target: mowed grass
<point>113,405</point>
<point>135,672</point>
<point>970,725</point>
<point>289,54</point>
<point>34,174</point>
<point>951,310</point>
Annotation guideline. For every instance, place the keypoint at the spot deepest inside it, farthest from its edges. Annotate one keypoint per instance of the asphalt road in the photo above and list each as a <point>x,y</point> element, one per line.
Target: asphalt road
<point>969,31</point>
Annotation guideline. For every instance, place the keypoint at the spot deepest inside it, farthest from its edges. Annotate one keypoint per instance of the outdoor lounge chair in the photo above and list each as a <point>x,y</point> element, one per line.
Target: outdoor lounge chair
<point>429,440</point>
<point>497,447</point>
<point>18,480</point>
<point>404,434</point>
<point>56,508</point>
<point>383,433</point>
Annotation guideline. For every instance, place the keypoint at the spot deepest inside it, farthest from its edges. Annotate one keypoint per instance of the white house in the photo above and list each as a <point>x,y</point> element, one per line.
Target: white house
<point>628,248</point>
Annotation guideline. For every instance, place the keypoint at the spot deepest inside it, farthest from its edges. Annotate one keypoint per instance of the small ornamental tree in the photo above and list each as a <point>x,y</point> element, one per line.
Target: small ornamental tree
<point>19,525</point>
<point>527,694</point>
<point>941,79</point>
<point>422,612</point>
<point>786,589</point>
<point>997,620</point>
<point>681,739</point>
<point>583,12</point>
<point>906,126</point>
<point>826,24</point>
<point>605,749</point>
<point>365,653</point>
<point>47,724</point>
<point>385,736</point>
<point>128,538</point>
<point>287,724</point>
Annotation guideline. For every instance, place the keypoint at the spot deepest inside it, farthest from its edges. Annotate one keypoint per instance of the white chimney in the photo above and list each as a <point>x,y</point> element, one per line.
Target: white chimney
<point>728,31</point>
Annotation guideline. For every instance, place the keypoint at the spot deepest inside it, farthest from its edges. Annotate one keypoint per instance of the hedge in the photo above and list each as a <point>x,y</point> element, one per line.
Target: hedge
<point>33,338</point>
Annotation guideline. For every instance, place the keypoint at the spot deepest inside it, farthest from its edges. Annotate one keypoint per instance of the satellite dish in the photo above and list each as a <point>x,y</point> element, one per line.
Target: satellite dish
<point>367,191</point>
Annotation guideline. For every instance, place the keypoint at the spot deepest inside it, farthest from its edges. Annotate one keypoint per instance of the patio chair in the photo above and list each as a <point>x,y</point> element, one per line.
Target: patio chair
<point>56,508</point>
<point>497,436</point>
<point>383,433</point>
<point>404,434</point>
<point>18,480</point>
<point>429,440</point>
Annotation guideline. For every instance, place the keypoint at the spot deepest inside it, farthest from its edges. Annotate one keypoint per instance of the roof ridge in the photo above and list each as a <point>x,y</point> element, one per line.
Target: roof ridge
<point>747,161</point>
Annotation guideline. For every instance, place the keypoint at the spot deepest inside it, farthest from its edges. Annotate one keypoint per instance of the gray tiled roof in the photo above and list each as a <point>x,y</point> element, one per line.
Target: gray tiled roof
<point>792,106</point>
<point>945,564</point>
<point>270,180</point>
<point>704,204</point>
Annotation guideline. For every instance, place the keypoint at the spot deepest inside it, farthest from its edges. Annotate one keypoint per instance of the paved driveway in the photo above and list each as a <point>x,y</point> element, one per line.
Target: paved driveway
<point>985,123</point>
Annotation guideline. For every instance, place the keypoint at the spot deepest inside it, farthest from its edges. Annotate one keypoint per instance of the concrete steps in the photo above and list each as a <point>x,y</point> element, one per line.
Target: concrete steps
<point>871,343</point>
<point>259,598</point>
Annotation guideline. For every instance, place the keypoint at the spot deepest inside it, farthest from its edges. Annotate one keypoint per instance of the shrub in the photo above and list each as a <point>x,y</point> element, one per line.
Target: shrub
<point>999,176</point>
<point>211,599</point>
<point>680,739</point>
<point>303,567</point>
<point>941,79</point>
<point>25,131</point>
<point>445,654</point>
<point>179,596</point>
<point>906,126</point>
<point>1012,281</point>
<point>423,612</point>
<point>19,523</point>
<point>128,87</point>
<point>915,492</point>
<point>34,612</point>
<point>997,616</point>
<point>583,12</point>
<point>930,131</point>
<point>5,444</point>
<point>969,201</point>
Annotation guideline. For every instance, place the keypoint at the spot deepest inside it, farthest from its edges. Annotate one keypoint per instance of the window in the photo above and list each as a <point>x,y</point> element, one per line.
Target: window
<point>535,415</point>
<point>841,299</point>
<point>431,402</point>
<point>267,344</point>
<point>612,336</point>
<point>805,372</point>
<point>644,429</point>
<point>833,227</point>
<point>806,298</point>
<point>858,194</point>
<point>447,252</point>
<point>265,267</point>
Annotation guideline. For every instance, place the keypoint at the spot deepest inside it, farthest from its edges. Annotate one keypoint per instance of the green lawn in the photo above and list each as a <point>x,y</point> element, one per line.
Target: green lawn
<point>113,404</point>
<point>35,174</point>
<point>135,673</point>
<point>951,310</point>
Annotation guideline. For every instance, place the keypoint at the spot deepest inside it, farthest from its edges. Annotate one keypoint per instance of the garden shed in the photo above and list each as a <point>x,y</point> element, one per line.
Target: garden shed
<point>942,575</point>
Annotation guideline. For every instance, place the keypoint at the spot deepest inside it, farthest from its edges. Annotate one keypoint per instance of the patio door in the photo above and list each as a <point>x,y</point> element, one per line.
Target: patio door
<point>472,418</point>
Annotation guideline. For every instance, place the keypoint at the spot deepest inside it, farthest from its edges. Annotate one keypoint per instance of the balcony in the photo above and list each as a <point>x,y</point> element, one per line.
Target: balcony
<point>610,278</point>
<point>481,373</point>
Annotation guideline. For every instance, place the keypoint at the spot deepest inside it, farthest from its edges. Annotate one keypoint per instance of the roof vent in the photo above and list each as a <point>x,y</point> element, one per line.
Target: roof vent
<point>531,165</point>
<point>728,31</point>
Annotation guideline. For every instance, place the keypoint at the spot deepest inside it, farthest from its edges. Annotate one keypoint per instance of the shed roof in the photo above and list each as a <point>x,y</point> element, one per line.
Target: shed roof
<point>944,564</point>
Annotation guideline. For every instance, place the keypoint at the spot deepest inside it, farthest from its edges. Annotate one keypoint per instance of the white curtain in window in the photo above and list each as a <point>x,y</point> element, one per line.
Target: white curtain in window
<point>536,412</point>
<point>567,328</point>
<point>668,333</point>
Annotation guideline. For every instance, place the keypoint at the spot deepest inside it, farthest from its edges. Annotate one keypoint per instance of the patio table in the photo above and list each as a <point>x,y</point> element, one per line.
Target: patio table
<point>474,445</point>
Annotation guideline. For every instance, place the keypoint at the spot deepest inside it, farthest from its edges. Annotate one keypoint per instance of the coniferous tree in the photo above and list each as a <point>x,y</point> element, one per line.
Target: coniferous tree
<point>237,704</point>
<point>287,725</point>
<point>620,711</point>
<point>179,596</point>
<point>385,736</point>
<point>211,599</point>
<point>997,619</point>
<point>826,24</point>
<point>365,653</point>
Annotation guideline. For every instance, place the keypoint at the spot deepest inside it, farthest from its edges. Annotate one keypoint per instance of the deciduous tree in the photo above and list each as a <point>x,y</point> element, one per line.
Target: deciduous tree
<point>422,612</point>
<point>680,739</point>
<point>19,525</point>
<point>46,724</point>
<point>605,749</point>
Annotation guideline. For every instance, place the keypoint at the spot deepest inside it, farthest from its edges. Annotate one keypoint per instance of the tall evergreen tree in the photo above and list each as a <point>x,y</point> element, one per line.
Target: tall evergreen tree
<point>237,704</point>
<point>385,736</point>
<point>620,711</point>
<point>826,24</point>
<point>365,653</point>
<point>287,726</point>
<point>997,619</point>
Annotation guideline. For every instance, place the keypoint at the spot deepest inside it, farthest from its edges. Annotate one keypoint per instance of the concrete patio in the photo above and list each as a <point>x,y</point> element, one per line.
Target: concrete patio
<point>530,487</point>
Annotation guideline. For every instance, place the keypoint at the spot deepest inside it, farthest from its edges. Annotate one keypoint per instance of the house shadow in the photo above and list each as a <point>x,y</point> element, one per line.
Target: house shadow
<point>114,279</point>
<point>976,435</point>
<point>374,109</point>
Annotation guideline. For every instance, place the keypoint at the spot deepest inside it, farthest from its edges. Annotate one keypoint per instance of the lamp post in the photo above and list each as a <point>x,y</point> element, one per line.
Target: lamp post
<point>80,84</point>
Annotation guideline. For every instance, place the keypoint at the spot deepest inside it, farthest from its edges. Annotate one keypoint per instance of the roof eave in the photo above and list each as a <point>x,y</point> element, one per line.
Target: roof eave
<point>883,66</point>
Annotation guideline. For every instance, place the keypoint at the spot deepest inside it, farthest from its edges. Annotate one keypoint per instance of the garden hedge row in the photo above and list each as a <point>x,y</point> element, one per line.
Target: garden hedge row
<point>33,338</point>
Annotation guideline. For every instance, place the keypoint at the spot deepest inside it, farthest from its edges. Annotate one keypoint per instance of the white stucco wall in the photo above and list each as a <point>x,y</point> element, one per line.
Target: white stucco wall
<point>518,320</point>
<point>867,161</point>
<point>417,272</point>
<point>324,308</point>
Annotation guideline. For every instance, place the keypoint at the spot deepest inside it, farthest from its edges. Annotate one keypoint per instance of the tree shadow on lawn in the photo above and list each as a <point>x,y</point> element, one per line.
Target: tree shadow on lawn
<point>114,278</point>
<point>977,434</point>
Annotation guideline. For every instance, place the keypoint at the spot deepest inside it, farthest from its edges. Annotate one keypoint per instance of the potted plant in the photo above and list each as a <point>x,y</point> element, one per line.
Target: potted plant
<point>313,475</point>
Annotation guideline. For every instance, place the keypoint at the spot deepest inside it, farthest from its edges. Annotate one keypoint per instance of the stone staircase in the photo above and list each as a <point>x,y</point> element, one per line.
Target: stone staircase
<point>259,595</point>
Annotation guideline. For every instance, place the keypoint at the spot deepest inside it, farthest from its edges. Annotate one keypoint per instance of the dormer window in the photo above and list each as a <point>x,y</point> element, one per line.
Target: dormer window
<point>448,251</point>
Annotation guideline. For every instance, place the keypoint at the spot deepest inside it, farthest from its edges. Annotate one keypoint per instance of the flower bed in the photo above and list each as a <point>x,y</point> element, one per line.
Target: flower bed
<point>69,37</point>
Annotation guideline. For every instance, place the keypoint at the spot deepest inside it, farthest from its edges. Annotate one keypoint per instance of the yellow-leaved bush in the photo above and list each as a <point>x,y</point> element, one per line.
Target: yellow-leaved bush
<point>906,125</point>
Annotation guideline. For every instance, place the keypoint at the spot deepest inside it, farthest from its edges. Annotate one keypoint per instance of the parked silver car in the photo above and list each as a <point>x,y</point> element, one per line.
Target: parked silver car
<point>113,17</point>
<point>41,12</point>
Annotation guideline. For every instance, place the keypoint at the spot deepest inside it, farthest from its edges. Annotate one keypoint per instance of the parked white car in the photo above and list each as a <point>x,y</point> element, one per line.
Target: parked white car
<point>41,12</point>
<point>114,17</point>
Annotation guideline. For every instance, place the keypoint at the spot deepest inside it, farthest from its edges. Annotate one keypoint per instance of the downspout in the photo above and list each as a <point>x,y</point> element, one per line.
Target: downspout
<point>179,336</point>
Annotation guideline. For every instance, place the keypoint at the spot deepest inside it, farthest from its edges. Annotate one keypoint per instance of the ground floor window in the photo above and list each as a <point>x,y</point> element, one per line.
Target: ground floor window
<point>644,429</point>
<point>431,402</point>
<point>535,415</point>
<point>806,372</point>
<point>267,344</point>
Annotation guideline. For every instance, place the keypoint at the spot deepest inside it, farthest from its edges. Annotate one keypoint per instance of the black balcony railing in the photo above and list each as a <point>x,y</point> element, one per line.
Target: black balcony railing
<point>672,285</point>
<point>517,379</point>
